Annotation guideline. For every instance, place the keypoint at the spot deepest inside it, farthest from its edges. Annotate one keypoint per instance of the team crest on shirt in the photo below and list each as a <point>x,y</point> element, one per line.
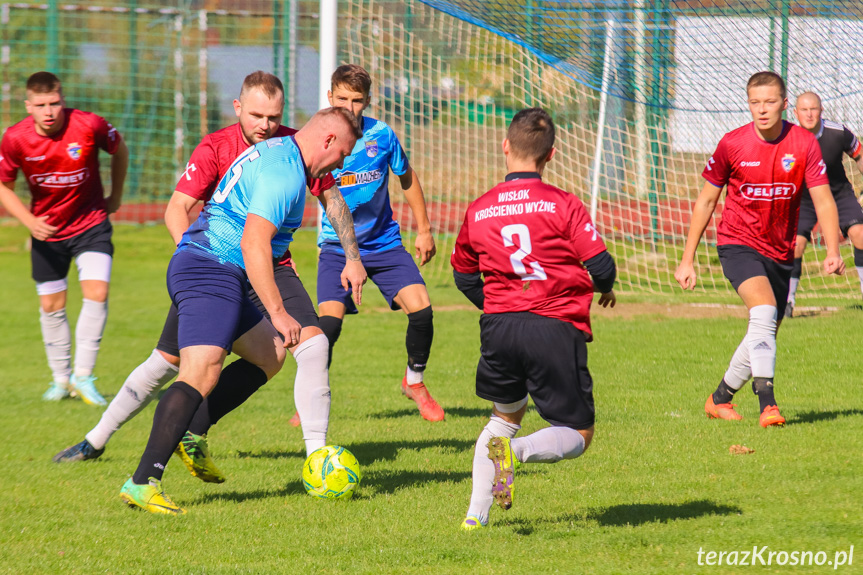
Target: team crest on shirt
<point>371,148</point>
<point>74,150</point>
<point>788,162</point>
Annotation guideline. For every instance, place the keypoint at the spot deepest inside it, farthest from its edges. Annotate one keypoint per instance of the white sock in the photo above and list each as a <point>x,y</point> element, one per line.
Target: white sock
<point>58,343</point>
<point>481,498</point>
<point>88,335</point>
<point>413,377</point>
<point>739,372</point>
<point>548,445</point>
<point>860,274</point>
<point>137,391</point>
<point>792,289</point>
<point>761,340</point>
<point>312,390</point>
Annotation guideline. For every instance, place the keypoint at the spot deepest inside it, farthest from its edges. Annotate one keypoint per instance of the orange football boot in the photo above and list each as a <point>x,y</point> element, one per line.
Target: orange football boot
<point>721,411</point>
<point>771,416</point>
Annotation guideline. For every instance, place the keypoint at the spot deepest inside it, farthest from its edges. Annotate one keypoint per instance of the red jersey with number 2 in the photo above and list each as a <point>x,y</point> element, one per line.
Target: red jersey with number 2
<point>764,181</point>
<point>529,240</point>
<point>62,170</point>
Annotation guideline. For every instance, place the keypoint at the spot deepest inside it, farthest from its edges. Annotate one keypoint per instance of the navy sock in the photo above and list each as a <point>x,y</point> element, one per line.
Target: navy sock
<point>237,383</point>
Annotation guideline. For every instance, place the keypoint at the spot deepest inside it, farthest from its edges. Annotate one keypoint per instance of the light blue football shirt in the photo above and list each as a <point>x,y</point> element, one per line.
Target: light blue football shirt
<point>364,183</point>
<point>268,180</point>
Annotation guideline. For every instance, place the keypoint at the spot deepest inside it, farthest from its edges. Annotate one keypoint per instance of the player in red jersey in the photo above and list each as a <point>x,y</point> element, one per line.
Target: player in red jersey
<point>521,256</point>
<point>259,110</point>
<point>764,165</point>
<point>57,149</point>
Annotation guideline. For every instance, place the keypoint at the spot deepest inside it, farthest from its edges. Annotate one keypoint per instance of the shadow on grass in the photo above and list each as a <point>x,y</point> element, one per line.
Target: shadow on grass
<point>639,513</point>
<point>368,452</point>
<point>816,416</point>
<point>632,514</point>
<point>270,454</point>
<point>374,484</point>
<point>450,411</point>
<point>377,483</point>
<point>292,488</point>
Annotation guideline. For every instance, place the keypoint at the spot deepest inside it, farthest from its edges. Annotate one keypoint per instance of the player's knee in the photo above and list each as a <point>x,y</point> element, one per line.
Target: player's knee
<point>272,363</point>
<point>170,358</point>
<point>587,434</point>
<point>313,353</point>
<point>419,338</point>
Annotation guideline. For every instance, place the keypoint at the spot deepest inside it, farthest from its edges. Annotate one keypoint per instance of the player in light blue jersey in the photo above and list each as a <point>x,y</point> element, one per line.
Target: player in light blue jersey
<point>364,183</point>
<point>246,227</point>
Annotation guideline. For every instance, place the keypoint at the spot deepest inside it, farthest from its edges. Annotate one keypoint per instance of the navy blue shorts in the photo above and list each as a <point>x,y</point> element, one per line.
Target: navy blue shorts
<point>212,301</point>
<point>295,298</point>
<point>391,271</point>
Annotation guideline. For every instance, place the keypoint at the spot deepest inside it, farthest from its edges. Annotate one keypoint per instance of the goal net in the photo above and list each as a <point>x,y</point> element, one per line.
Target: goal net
<point>641,94</point>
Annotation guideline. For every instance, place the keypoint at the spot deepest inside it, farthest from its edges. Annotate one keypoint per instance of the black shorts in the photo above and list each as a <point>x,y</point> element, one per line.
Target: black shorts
<point>524,353</point>
<point>850,213</point>
<point>740,263</point>
<point>51,260</point>
<point>294,297</point>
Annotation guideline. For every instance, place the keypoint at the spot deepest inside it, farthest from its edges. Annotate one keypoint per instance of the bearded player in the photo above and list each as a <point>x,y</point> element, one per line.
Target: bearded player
<point>259,110</point>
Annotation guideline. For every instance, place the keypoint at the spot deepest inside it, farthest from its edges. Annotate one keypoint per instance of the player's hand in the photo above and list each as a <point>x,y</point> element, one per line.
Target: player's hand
<point>288,327</point>
<point>353,277</point>
<point>685,276</point>
<point>112,204</point>
<point>425,247</point>
<point>833,265</point>
<point>607,299</point>
<point>41,230</point>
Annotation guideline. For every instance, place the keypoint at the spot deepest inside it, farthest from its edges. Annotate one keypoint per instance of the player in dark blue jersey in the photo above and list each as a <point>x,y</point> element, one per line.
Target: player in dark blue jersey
<point>835,141</point>
<point>364,183</point>
<point>248,223</point>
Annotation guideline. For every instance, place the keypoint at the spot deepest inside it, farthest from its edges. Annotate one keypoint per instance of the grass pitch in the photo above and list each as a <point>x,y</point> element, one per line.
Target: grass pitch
<point>657,486</point>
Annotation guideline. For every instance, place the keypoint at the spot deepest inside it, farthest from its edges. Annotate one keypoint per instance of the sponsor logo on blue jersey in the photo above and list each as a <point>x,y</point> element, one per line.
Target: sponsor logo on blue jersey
<point>347,179</point>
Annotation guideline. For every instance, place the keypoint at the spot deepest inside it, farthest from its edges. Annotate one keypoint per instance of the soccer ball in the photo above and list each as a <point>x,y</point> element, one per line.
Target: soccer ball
<point>331,472</point>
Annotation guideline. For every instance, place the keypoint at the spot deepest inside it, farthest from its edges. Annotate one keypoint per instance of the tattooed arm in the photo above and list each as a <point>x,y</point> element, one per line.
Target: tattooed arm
<point>354,274</point>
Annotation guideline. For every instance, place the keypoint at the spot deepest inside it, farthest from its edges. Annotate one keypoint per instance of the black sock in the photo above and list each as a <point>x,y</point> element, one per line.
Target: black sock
<point>170,422</point>
<point>237,383</point>
<point>763,388</point>
<point>418,339</point>
<point>332,328</point>
<point>797,268</point>
<point>723,393</point>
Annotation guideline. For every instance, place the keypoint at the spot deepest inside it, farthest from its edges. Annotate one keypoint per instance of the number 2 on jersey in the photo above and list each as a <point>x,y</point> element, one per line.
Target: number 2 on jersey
<point>249,155</point>
<point>521,232</point>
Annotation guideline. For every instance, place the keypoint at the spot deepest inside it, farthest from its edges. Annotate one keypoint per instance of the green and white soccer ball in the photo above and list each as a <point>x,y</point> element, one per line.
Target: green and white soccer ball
<point>331,472</point>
